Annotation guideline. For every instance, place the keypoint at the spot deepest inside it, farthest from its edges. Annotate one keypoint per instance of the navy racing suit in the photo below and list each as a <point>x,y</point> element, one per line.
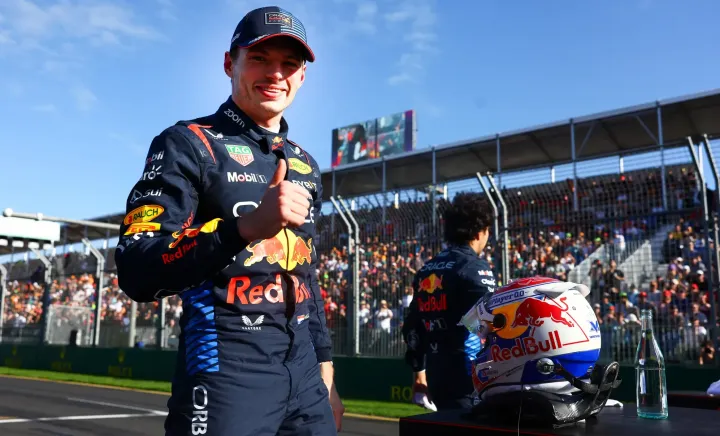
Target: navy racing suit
<point>253,329</point>
<point>444,290</point>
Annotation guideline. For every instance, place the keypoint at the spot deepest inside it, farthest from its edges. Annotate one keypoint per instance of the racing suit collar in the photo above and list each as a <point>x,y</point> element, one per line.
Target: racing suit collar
<point>465,249</point>
<point>236,122</point>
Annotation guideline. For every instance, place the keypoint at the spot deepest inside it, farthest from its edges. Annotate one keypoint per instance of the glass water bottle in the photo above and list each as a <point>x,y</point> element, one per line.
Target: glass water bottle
<point>650,382</point>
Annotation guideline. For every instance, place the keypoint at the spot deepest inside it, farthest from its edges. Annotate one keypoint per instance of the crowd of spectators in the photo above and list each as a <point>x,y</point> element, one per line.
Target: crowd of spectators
<point>547,236</point>
<point>24,307</point>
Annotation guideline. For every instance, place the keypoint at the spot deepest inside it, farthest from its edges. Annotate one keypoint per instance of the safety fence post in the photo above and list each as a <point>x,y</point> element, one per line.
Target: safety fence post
<point>100,273</point>
<point>355,300</point>
<point>504,232</point>
<point>351,245</point>
<point>496,214</point>
<point>3,291</point>
<point>707,242</point>
<point>45,324</point>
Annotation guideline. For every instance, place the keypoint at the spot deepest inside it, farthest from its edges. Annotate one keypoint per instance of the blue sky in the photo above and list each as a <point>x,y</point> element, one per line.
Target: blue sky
<point>85,85</point>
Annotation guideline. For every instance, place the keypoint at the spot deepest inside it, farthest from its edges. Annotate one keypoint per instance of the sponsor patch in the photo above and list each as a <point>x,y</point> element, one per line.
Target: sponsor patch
<point>208,227</point>
<point>299,166</point>
<point>240,153</point>
<point>278,18</point>
<point>142,227</point>
<point>143,214</point>
<point>277,142</point>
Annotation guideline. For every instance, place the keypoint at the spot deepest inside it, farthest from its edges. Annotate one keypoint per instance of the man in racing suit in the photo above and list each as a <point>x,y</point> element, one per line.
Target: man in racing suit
<point>438,350</point>
<point>224,215</point>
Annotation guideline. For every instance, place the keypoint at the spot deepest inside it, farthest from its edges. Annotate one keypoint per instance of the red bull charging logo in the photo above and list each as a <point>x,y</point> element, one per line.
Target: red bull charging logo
<point>430,283</point>
<point>287,252</point>
<point>533,312</point>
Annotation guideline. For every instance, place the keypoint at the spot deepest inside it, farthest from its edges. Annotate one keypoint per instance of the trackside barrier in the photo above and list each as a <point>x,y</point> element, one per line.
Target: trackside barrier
<point>376,379</point>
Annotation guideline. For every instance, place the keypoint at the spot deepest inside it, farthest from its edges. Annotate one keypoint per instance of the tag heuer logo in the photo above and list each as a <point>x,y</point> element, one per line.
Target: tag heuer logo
<point>240,153</point>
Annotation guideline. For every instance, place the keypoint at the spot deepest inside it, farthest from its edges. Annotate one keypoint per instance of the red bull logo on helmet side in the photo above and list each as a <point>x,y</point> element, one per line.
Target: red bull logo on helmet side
<point>527,346</point>
<point>533,312</point>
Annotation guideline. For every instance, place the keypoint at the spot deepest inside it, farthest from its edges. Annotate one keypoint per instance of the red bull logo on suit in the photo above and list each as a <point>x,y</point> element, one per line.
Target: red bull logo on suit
<point>286,251</point>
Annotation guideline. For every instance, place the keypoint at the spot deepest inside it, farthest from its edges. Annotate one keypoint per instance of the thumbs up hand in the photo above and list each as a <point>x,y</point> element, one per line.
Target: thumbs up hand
<point>284,204</point>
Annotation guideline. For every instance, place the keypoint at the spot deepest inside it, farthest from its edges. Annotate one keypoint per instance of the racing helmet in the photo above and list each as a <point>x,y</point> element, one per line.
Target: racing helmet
<point>541,343</point>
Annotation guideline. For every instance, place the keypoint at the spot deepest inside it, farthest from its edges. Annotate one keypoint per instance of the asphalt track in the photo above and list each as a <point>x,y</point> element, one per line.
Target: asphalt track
<point>38,407</point>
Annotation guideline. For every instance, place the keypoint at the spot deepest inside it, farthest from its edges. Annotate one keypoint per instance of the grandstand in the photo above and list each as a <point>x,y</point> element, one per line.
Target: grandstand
<point>615,200</point>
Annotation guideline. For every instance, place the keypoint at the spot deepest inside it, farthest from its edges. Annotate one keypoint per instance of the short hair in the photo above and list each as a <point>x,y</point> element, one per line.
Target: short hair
<point>468,215</point>
<point>234,53</point>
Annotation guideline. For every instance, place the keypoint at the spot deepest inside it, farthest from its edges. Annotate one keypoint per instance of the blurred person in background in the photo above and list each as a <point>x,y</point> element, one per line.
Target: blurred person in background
<point>707,353</point>
<point>444,289</point>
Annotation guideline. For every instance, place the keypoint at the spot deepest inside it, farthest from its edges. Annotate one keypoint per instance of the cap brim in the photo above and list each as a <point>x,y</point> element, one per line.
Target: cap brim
<point>310,54</point>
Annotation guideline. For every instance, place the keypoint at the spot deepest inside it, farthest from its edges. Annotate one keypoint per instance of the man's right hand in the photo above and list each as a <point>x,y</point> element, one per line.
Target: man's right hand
<point>284,204</point>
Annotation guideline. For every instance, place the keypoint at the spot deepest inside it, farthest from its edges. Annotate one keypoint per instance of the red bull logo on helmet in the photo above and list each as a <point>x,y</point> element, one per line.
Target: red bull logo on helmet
<point>533,313</point>
<point>526,347</point>
<point>285,251</point>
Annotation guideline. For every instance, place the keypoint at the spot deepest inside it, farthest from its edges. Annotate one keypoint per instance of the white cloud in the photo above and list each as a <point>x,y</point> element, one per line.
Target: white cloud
<point>98,22</point>
<point>399,15</point>
<point>400,78</point>
<point>55,66</point>
<point>366,17</point>
<point>124,140</point>
<point>57,38</point>
<point>84,98</point>
<point>417,19</point>
<point>5,38</point>
<point>166,11</point>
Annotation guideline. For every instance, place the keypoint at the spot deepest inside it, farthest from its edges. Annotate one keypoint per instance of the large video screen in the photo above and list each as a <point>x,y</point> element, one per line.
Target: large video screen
<point>372,139</point>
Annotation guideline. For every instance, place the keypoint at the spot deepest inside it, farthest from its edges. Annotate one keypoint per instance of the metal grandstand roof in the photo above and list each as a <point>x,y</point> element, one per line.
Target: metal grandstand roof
<point>619,132</point>
<point>72,233</point>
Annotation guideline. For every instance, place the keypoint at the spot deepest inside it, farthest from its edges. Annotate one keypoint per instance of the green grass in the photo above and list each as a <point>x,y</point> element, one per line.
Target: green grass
<point>384,409</point>
<point>91,379</point>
